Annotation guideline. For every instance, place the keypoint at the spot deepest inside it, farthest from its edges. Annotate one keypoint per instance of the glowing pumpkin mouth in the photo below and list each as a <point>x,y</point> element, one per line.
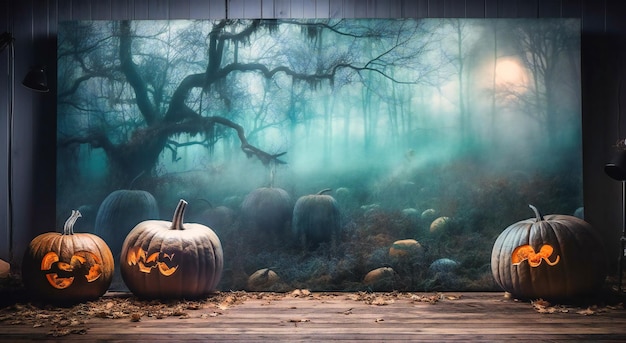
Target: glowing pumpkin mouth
<point>138,256</point>
<point>527,253</point>
<point>62,274</point>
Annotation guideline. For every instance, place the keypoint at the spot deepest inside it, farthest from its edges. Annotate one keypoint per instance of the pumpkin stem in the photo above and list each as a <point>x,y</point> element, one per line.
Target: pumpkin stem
<point>537,213</point>
<point>68,227</point>
<point>177,220</point>
<point>132,182</point>
<point>325,190</point>
<point>272,174</point>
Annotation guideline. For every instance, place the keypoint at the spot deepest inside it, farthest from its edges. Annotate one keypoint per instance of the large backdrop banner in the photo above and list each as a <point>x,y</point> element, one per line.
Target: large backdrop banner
<point>326,154</point>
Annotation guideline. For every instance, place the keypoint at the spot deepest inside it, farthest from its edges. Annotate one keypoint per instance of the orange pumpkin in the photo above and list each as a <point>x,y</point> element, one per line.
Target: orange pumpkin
<point>67,267</point>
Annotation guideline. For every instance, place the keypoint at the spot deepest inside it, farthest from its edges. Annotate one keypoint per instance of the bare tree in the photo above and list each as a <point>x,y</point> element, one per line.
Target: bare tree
<point>168,100</point>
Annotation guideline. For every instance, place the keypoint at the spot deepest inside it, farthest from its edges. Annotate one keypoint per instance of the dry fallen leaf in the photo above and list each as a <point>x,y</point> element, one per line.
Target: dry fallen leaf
<point>586,312</point>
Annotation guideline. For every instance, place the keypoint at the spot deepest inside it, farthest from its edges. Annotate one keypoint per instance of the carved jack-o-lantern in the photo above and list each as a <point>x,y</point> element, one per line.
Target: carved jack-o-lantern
<point>549,257</point>
<point>67,267</point>
<point>61,274</point>
<point>162,259</point>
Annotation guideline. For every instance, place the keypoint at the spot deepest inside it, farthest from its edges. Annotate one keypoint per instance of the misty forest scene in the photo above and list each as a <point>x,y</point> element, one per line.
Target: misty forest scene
<point>326,154</point>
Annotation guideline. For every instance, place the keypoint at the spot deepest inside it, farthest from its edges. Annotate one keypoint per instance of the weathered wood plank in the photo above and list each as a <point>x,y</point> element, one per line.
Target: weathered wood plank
<point>472,317</point>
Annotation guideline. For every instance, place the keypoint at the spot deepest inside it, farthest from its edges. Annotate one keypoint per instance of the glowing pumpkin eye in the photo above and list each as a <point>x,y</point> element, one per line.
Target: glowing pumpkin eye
<point>48,260</point>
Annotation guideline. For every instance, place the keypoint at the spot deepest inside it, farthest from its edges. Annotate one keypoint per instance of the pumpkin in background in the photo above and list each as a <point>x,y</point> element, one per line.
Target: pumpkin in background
<point>162,259</point>
<point>549,257</point>
<point>381,279</point>
<point>219,218</point>
<point>443,265</point>
<point>404,248</point>
<point>118,213</point>
<point>262,280</point>
<point>67,267</point>
<point>439,224</point>
<point>268,209</point>
<point>428,214</point>
<point>316,219</point>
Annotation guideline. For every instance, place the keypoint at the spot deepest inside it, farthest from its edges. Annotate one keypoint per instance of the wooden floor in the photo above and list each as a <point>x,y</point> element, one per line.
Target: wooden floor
<point>317,317</point>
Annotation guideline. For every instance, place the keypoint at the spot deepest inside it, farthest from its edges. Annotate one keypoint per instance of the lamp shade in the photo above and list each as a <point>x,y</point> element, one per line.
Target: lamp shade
<point>616,168</point>
<point>36,80</point>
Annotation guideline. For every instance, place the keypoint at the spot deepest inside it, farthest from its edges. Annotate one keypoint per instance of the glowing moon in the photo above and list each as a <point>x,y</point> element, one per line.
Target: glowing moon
<point>510,72</point>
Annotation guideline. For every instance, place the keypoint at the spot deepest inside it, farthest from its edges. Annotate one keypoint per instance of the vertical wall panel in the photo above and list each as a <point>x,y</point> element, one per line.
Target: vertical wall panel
<point>25,105</point>
<point>244,8</point>
<point>296,9</point>
<point>571,8</point>
<point>436,8</point>
<point>378,9</point>
<point>322,8</point>
<point>507,9</point>
<point>158,9</point>
<point>454,8</point>
<point>549,9</point>
<point>120,9</point>
<point>101,10</point>
<point>217,9</point>
<point>359,8</point>
<point>64,8</point>
<point>348,8</point>
<point>236,8</point>
<point>475,8</point>
<point>81,9</point>
<point>336,9</point>
<point>420,9</point>
<point>491,8</point>
<point>6,25</point>
<point>282,8</point>
<point>526,9</point>
<point>409,9</point>
<point>395,8</point>
<point>267,9</point>
<point>140,9</point>
<point>178,9</point>
<point>198,9</point>
<point>252,9</point>
<point>308,8</point>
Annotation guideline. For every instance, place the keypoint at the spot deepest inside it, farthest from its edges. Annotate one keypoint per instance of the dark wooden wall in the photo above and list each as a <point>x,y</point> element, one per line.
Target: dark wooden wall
<point>33,23</point>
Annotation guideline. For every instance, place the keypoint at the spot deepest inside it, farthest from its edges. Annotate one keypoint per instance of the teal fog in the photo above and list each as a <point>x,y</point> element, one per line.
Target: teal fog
<point>311,146</point>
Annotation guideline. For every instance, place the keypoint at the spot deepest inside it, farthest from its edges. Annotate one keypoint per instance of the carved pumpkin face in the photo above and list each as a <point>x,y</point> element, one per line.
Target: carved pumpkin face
<point>68,267</point>
<point>159,260</point>
<point>61,274</point>
<point>162,259</point>
<point>548,257</point>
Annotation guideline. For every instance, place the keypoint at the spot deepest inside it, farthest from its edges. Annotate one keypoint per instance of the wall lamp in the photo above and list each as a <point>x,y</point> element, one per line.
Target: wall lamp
<point>36,78</point>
